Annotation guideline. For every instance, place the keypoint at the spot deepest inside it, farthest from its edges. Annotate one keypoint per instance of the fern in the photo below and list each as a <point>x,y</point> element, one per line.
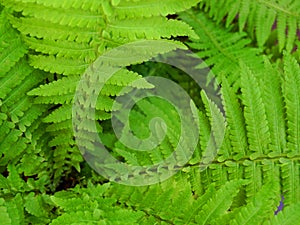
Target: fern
<point>258,17</point>
<point>236,121</point>
<point>222,49</point>
<point>61,33</point>
<point>292,81</point>
<point>275,115</point>
<point>150,8</point>
<point>21,128</point>
<point>289,216</point>
<point>258,133</point>
<point>235,166</point>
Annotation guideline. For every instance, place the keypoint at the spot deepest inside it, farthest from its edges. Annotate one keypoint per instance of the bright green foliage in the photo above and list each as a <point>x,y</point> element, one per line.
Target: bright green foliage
<point>255,115</point>
<point>220,48</point>
<point>68,37</point>
<point>247,155</point>
<point>289,216</point>
<point>89,207</point>
<point>291,93</point>
<point>258,18</point>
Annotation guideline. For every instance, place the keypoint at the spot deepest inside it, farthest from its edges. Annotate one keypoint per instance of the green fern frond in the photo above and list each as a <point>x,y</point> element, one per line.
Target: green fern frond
<point>14,77</point>
<point>62,16</point>
<point>11,47</point>
<point>257,162</point>
<point>290,180</point>
<point>235,120</point>
<point>68,49</point>
<point>195,209</point>
<point>4,214</point>
<point>221,49</point>
<point>148,8</point>
<point>218,126</point>
<point>257,210</point>
<point>216,118</point>
<point>205,132</point>
<point>59,65</point>
<point>35,205</point>
<point>291,95</point>
<point>15,209</point>
<point>65,158</point>
<point>67,124</point>
<point>44,29</point>
<point>22,119</point>
<point>85,32</point>
<point>255,115</point>
<point>149,28</point>
<point>59,115</point>
<point>271,92</point>
<point>60,99</point>
<point>147,110</point>
<point>93,5</point>
<point>92,208</point>
<point>258,18</point>
<point>218,204</point>
<point>288,216</point>
<point>62,86</point>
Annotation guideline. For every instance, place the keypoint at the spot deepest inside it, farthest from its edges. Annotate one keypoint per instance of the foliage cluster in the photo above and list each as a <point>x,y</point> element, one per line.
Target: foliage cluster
<point>252,47</point>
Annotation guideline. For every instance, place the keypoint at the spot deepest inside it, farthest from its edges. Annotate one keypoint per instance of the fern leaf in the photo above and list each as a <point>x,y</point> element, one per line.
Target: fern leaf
<point>15,209</point>
<point>149,28</point>
<point>4,214</point>
<point>14,78</point>
<point>274,108</point>
<point>218,126</point>
<point>43,29</point>
<point>62,48</point>
<point>205,132</point>
<point>290,181</point>
<point>33,115</point>
<point>93,5</point>
<point>292,26</point>
<point>220,48</point>
<point>219,203</point>
<point>89,207</point>
<point>290,215</point>
<point>85,32</point>
<point>35,205</point>
<point>11,46</point>
<point>255,115</point>
<point>67,124</point>
<point>63,86</point>
<point>66,158</point>
<point>253,172</point>
<point>61,114</point>
<point>60,99</point>
<point>148,8</point>
<point>58,65</point>
<point>291,97</point>
<point>160,149</point>
<point>259,209</point>
<point>257,18</point>
<point>264,20</point>
<point>236,121</point>
<point>59,15</point>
